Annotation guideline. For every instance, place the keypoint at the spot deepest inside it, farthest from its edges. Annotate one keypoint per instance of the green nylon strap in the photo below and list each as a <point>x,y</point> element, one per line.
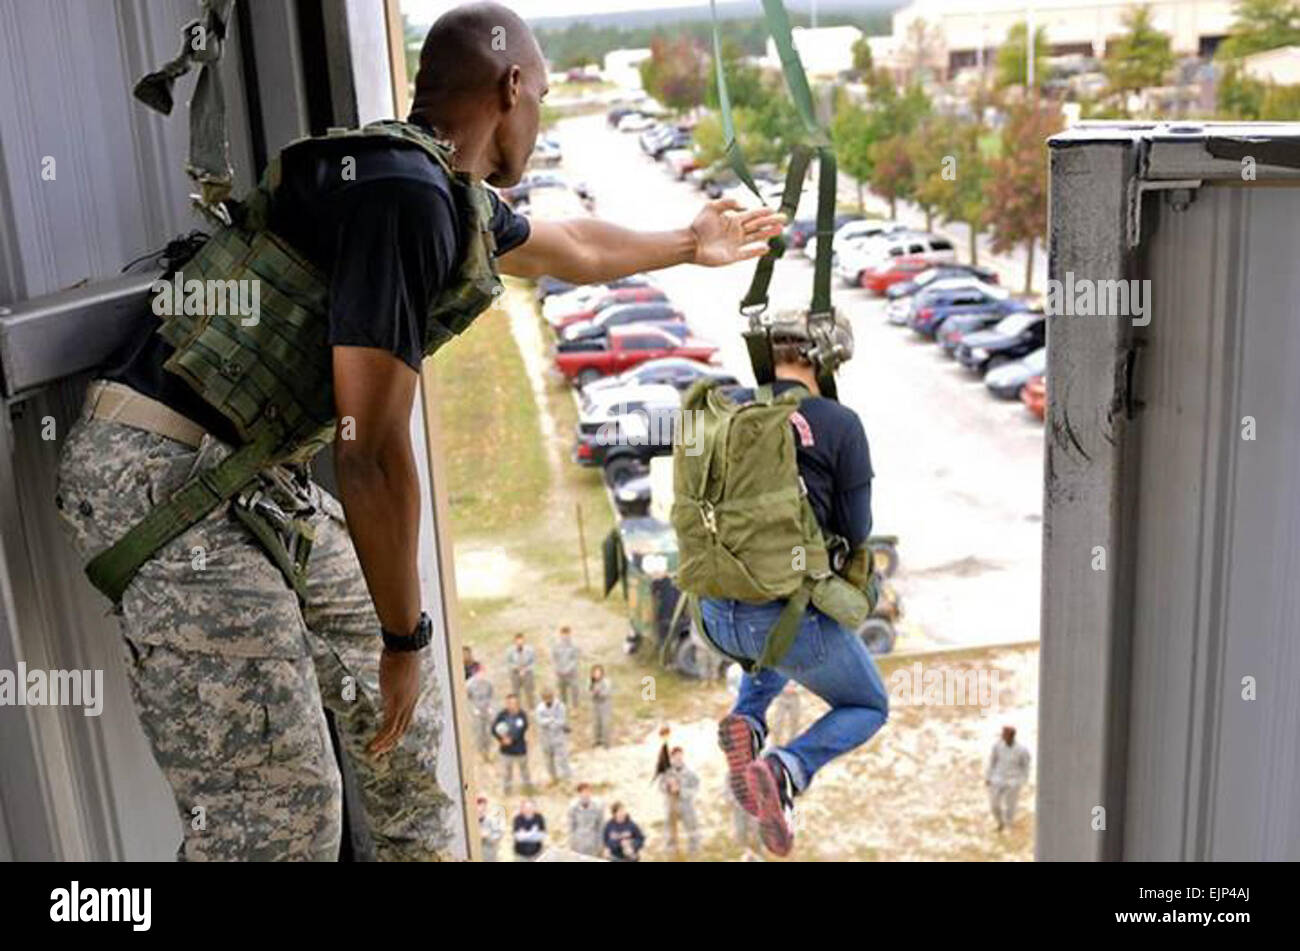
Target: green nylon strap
<point>756,296</point>
<point>781,637</point>
<point>111,570</point>
<point>827,186</point>
<point>735,158</point>
<point>778,24</point>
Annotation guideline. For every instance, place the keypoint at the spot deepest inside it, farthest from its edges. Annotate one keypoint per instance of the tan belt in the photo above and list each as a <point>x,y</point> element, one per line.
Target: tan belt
<point>118,403</point>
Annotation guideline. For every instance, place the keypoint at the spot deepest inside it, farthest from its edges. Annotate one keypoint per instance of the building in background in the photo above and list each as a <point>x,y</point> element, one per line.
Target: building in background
<point>825,51</point>
<point>967,27</point>
<point>623,67</point>
<point>1279,66</point>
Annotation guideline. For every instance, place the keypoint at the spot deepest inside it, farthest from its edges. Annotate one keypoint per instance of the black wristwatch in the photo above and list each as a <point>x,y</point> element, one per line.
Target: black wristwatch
<point>416,640</point>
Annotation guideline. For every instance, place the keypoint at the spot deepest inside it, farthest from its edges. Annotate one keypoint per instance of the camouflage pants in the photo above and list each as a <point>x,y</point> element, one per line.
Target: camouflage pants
<point>567,687</point>
<point>231,676</point>
<point>556,753</point>
<point>682,811</point>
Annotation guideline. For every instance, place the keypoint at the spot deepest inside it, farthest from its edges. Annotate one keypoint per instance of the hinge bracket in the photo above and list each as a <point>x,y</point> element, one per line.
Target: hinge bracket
<point>1138,187</point>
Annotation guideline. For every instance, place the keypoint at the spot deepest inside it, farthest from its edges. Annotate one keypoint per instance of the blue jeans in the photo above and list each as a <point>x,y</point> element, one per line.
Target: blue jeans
<point>827,658</point>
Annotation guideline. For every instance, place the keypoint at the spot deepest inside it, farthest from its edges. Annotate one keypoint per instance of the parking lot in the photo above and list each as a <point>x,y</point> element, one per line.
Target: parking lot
<point>958,473</point>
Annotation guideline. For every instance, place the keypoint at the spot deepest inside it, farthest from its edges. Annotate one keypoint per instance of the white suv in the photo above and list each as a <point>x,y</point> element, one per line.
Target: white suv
<point>858,258</point>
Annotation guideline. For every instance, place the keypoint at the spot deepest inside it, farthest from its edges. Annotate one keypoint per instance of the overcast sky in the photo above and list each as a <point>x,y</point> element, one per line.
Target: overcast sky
<point>426,11</point>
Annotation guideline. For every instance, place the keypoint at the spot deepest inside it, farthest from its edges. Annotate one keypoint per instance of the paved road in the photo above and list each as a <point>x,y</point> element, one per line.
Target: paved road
<point>958,473</point>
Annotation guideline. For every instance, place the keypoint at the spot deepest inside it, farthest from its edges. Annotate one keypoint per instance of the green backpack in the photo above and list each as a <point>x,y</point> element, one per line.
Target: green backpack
<point>745,527</point>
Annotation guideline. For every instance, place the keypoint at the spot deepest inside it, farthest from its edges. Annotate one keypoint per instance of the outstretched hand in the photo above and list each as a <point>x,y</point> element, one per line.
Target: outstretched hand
<point>724,234</point>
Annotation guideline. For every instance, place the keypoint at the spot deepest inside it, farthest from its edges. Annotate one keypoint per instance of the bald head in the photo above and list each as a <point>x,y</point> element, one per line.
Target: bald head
<point>481,81</point>
<point>467,53</point>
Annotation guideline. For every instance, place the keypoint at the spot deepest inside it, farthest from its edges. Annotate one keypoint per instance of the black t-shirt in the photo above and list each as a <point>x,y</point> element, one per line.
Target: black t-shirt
<point>532,824</point>
<point>389,238</point>
<point>834,460</point>
<point>514,727</point>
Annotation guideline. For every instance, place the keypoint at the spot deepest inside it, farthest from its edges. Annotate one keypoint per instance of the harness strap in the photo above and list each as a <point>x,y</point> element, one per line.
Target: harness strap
<point>756,297</point>
<point>111,570</point>
<point>781,637</point>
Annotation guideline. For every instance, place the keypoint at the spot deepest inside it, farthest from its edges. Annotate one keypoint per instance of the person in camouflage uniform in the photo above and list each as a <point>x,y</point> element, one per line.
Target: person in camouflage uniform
<point>553,725</point>
<point>565,657</point>
<point>521,659</point>
<point>231,670</point>
<point>479,691</point>
<point>491,829</point>
<point>240,704</point>
<point>680,786</point>
<point>586,823</point>
<point>602,707</point>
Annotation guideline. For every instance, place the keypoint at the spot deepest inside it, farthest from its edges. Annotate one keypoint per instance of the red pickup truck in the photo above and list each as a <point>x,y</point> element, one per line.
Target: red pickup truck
<point>581,361</point>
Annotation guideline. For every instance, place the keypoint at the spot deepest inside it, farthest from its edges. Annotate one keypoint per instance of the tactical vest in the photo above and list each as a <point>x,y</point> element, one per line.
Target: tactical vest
<point>746,529</point>
<point>272,377</point>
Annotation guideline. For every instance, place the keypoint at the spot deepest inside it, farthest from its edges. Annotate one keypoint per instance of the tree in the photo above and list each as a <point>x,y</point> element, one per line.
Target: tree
<point>922,47</point>
<point>1017,193</point>
<point>1261,25</point>
<point>930,146</point>
<point>851,132</point>
<point>951,174</point>
<point>1139,58</point>
<point>744,81</point>
<point>676,73</point>
<point>862,61</point>
<point>892,174</point>
<point>1013,57</point>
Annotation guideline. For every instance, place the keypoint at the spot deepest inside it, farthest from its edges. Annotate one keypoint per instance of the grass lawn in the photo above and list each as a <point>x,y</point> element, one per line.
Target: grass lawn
<point>496,463</point>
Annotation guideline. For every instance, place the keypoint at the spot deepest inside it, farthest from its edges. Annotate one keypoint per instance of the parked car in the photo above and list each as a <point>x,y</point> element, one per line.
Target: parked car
<point>899,311</point>
<point>855,260</point>
<point>634,122</point>
<point>570,297</point>
<point>591,306</point>
<point>1012,338</point>
<point>932,307</point>
<point>651,312</point>
<point>896,271</point>
<point>617,114</point>
<point>583,361</point>
<point>852,232</point>
<point>1034,396</point>
<point>681,161</point>
<point>953,329</point>
<point>802,230</point>
<point>632,497</point>
<point>623,433</point>
<point>546,152</point>
<point>938,273</point>
<point>1006,381</point>
<point>673,371</point>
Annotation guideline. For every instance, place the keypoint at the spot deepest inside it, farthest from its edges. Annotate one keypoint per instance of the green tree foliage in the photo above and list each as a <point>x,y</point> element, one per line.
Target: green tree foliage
<point>951,173</point>
<point>1261,25</point>
<point>1139,58</point>
<point>862,62</point>
<point>1013,57</point>
<point>860,134</point>
<point>585,41</point>
<point>676,73</point>
<point>744,80</point>
<point>1017,185</point>
<point>892,173</point>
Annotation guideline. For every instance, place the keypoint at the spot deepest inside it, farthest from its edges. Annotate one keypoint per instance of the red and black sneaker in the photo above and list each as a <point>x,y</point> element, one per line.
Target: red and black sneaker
<point>772,789</point>
<point>742,744</point>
